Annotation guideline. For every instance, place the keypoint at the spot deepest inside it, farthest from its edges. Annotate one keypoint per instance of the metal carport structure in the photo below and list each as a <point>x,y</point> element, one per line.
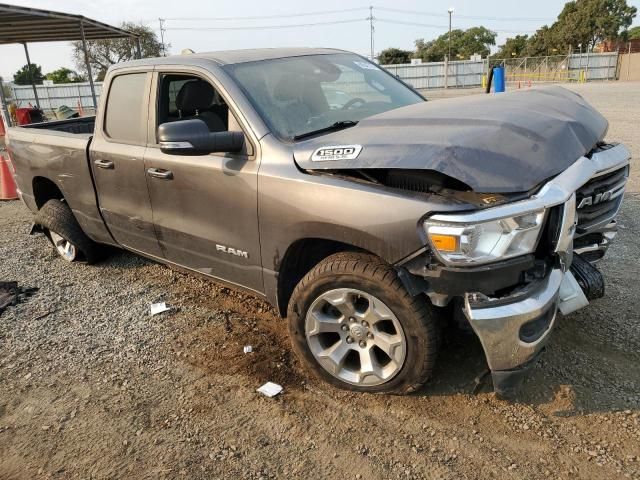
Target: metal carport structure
<point>30,25</point>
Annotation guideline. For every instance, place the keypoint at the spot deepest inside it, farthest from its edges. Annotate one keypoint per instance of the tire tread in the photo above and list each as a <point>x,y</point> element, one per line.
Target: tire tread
<point>56,216</point>
<point>374,267</point>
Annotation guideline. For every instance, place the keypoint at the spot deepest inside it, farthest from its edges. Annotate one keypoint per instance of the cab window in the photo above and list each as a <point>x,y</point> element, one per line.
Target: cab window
<point>126,118</point>
<point>185,97</point>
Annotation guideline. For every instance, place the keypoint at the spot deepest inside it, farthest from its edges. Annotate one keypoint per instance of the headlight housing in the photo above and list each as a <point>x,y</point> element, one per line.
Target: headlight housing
<point>462,243</point>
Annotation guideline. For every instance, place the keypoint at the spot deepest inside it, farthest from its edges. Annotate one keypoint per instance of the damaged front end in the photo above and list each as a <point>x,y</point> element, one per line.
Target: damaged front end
<point>507,270</point>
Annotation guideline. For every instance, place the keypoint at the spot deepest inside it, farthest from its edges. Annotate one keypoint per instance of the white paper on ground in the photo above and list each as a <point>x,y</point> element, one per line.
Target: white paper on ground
<point>158,308</point>
<point>270,389</point>
<point>248,349</point>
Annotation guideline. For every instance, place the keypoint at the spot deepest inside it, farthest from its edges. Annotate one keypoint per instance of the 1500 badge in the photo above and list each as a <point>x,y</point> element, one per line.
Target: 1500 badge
<point>336,152</point>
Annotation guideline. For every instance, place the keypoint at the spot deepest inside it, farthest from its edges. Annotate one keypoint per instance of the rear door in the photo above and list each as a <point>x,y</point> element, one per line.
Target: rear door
<point>204,206</point>
<point>117,161</point>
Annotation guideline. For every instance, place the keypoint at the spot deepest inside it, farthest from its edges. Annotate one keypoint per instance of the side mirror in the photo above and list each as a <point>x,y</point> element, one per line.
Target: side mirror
<point>193,137</point>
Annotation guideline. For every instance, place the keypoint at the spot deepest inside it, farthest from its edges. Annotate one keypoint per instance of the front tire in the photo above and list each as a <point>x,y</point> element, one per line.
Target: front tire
<point>353,324</point>
<point>62,229</point>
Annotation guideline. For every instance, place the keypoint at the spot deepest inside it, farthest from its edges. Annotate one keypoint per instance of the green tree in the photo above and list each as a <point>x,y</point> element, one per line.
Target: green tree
<point>513,47</point>
<point>583,22</point>
<point>21,77</point>
<point>65,75</point>
<point>542,42</point>
<point>392,56</point>
<point>104,53</point>
<point>634,33</point>
<point>464,43</point>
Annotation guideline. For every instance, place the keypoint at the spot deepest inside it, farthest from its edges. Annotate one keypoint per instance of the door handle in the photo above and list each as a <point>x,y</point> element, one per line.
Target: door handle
<point>108,164</point>
<point>161,174</point>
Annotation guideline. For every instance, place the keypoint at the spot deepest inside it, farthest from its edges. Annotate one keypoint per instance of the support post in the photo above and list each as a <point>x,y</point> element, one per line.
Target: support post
<point>4,113</point>
<point>88,62</point>
<point>33,85</point>
<point>138,49</point>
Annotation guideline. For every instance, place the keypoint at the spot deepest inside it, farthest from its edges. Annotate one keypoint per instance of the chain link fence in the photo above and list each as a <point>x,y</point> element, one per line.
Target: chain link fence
<point>528,70</point>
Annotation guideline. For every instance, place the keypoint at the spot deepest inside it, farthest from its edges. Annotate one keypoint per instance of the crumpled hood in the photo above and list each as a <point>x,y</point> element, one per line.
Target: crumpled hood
<point>504,143</point>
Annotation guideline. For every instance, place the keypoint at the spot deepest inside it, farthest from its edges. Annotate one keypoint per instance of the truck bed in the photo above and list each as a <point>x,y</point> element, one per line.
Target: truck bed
<point>78,126</point>
<point>57,152</point>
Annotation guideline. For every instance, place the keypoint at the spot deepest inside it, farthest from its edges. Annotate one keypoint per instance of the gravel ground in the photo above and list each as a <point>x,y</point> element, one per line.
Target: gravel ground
<point>92,386</point>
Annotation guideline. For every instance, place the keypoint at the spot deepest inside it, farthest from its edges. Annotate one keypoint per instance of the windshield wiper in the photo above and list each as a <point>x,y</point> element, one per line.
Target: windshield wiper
<point>341,125</point>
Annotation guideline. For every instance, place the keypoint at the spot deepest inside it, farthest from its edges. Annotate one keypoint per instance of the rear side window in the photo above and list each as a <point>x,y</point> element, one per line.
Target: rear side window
<point>125,119</point>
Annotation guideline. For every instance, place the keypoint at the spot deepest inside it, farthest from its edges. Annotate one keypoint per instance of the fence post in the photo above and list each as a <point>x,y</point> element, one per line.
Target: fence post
<point>446,71</point>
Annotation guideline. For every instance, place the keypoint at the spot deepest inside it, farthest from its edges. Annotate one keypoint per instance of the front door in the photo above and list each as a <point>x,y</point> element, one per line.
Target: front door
<point>204,206</point>
<point>117,162</point>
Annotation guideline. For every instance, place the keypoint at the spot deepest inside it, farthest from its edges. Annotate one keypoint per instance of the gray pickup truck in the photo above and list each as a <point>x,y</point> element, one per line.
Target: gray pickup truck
<point>367,216</point>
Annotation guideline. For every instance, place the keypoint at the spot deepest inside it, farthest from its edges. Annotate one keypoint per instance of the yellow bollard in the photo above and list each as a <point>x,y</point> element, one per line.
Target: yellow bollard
<point>484,80</point>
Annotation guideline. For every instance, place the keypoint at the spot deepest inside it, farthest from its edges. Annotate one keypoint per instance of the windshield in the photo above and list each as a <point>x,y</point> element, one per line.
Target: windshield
<point>299,95</point>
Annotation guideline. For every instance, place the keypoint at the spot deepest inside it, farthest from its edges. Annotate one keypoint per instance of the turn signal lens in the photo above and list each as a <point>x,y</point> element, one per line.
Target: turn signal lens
<point>459,242</point>
<point>444,243</point>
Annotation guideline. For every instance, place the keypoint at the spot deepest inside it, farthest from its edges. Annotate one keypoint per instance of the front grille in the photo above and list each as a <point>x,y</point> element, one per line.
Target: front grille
<point>599,199</point>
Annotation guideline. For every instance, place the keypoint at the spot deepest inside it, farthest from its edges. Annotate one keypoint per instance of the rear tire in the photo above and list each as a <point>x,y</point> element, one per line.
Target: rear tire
<point>61,227</point>
<point>353,324</point>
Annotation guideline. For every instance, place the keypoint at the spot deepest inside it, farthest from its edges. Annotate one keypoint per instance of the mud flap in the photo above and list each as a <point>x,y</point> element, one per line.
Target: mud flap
<point>588,277</point>
<point>507,383</point>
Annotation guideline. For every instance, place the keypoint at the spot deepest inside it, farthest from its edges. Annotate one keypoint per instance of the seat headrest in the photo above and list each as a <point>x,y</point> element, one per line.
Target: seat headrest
<point>195,95</point>
<point>288,88</point>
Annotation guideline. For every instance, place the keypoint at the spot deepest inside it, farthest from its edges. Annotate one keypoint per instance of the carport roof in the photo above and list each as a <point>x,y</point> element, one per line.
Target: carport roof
<point>28,25</point>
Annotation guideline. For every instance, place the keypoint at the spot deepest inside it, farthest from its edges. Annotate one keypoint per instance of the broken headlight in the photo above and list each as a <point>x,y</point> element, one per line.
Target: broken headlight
<point>459,242</point>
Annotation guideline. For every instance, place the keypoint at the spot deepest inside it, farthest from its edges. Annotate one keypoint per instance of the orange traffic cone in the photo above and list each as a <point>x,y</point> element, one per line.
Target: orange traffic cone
<point>8,189</point>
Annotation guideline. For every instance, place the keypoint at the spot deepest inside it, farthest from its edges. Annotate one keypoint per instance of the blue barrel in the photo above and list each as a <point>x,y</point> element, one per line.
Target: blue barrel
<point>498,79</point>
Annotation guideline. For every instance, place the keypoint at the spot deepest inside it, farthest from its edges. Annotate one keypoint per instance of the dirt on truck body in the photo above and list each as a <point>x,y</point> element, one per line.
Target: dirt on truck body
<point>370,218</point>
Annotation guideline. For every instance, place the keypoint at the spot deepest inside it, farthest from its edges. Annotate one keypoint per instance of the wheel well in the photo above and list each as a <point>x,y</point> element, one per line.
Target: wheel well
<point>300,258</point>
<point>45,190</point>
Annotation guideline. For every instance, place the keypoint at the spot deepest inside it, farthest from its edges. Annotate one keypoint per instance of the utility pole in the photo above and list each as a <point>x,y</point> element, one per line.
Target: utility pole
<point>447,58</point>
<point>372,30</point>
<point>450,13</point>
<point>161,20</point>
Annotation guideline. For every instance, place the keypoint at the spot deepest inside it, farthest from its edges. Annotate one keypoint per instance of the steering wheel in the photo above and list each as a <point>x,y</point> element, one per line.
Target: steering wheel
<point>352,102</point>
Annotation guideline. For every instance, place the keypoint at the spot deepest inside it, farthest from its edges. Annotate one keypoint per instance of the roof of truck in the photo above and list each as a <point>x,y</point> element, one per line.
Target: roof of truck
<point>229,57</point>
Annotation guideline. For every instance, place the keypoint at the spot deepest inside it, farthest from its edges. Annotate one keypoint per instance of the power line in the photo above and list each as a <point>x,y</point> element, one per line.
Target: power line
<point>443,27</point>
<point>261,17</point>
<point>270,27</point>
<point>470,17</point>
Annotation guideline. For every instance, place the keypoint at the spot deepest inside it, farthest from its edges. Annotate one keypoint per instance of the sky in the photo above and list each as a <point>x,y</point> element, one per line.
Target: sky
<point>506,17</point>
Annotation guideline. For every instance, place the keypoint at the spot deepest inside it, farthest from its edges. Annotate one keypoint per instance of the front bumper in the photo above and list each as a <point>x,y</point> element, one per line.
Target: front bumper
<point>514,328</point>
